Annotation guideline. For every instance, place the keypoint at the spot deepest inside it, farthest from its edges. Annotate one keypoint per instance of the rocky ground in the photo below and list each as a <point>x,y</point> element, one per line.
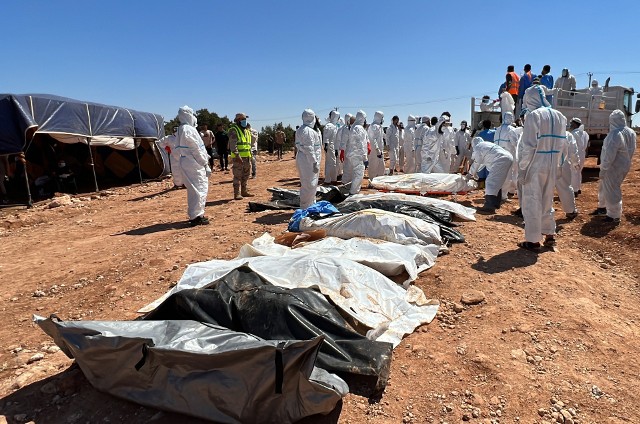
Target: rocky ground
<point>520,337</point>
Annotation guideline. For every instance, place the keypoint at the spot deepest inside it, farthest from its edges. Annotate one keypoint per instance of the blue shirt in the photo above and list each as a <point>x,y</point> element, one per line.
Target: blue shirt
<point>487,135</point>
<point>547,81</point>
<point>525,82</point>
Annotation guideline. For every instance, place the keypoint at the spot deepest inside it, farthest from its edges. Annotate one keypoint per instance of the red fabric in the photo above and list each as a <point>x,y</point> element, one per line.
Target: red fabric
<point>341,155</point>
<point>167,149</point>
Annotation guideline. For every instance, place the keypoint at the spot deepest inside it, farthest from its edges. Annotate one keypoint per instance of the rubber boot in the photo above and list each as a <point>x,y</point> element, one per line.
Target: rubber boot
<point>236,193</point>
<point>499,196</point>
<point>490,204</point>
<point>245,192</point>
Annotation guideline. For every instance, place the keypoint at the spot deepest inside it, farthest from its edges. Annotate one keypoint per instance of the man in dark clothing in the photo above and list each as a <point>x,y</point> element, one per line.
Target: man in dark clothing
<point>222,145</point>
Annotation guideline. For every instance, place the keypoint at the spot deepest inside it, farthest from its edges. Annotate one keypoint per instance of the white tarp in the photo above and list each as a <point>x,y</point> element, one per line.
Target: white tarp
<point>457,209</point>
<point>118,143</point>
<point>424,183</point>
<point>366,295</point>
<point>388,258</point>
<point>377,224</point>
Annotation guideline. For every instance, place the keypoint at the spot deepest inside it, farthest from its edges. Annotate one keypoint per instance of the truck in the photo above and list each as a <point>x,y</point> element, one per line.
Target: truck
<point>593,111</point>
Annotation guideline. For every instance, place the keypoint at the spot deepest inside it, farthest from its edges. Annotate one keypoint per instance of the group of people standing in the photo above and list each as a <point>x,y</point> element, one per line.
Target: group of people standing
<point>191,156</point>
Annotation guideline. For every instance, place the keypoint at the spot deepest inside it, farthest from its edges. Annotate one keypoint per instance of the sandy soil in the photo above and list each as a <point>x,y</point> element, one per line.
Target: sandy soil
<point>557,331</point>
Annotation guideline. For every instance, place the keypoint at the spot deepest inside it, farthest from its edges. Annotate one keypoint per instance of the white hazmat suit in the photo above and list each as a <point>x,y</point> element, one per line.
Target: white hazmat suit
<point>194,162</point>
<point>308,157</point>
<point>376,138</point>
<point>330,146</point>
<point>507,137</point>
<point>171,141</point>
<point>393,142</point>
<point>345,147</point>
<point>437,148</point>
<point>408,146</point>
<point>617,151</point>
<point>462,140</point>
<point>569,161</point>
<point>498,162</point>
<point>418,140</point>
<point>582,141</point>
<point>358,153</point>
<point>543,139</point>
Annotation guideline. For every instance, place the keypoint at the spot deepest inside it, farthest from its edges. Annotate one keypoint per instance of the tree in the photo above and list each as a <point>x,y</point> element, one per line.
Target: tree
<point>204,117</point>
<point>270,131</point>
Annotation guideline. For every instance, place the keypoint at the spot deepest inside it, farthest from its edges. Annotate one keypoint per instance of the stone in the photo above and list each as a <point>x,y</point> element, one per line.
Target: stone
<point>51,349</point>
<point>595,391</point>
<point>35,358</point>
<point>466,417</point>
<point>49,388</point>
<point>457,308</point>
<point>39,293</point>
<point>472,297</point>
<point>59,201</point>
<point>542,412</point>
<point>568,419</point>
<point>494,400</point>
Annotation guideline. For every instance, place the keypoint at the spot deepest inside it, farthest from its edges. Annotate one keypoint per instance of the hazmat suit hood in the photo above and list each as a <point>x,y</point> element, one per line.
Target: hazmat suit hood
<point>347,119</point>
<point>360,117</point>
<point>308,118</point>
<point>411,121</point>
<point>441,121</point>
<point>340,122</point>
<point>565,72</point>
<point>426,120</point>
<point>594,83</point>
<point>377,118</point>
<point>616,120</point>
<point>475,142</point>
<point>507,118</point>
<point>187,116</point>
<point>334,117</point>
<point>534,98</point>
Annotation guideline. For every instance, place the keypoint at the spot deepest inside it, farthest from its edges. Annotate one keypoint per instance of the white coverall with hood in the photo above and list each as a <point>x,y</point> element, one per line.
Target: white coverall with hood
<point>330,146</point>
<point>498,162</point>
<point>543,139</point>
<point>462,140</point>
<point>343,138</point>
<point>582,141</point>
<point>393,141</point>
<point>376,137</point>
<point>437,148</point>
<point>418,140</point>
<point>569,161</point>
<point>176,172</point>
<point>507,137</point>
<point>309,145</point>
<point>615,160</point>
<point>194,162</point>
<point>408,146</point>
<point>358,153</point>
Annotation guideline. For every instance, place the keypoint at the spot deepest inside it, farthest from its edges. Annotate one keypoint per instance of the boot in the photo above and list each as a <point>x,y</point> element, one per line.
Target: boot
<point>245,192</point>
<point>236,193</point>
<point>499,196</point>
<point>490,204</point>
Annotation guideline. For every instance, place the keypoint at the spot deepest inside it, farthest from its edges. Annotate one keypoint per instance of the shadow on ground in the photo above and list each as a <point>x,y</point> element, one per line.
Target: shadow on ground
<point>274,218</point>
<point>597,228</point>
<point>152,195</point>
<point>155,228</point>
<point>516,258</point>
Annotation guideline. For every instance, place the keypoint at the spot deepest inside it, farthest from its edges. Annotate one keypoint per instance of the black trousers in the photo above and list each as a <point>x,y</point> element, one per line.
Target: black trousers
<point>224,159</point>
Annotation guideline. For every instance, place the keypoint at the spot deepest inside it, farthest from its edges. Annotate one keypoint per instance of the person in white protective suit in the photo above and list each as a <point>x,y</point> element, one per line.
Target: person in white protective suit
<point>376,138</point>
<point>569,161</point>
<point>408,146</point>
<point>507,104</point>
<point>461,140</point>
<point>437,148</point>
<point>618,148</point>
<point>168,143</point>
<point>582,141</point>
<point>309,145</point>
<point>345,147</point>
<point>507,137</point>
<point>498,162</point>
<point>358,152</point>
<point>330,147</point>
<point>393,141</point>
<point>194,162</point>
<point>336,142</point>
<point>425,124</point>
<point>566,82</point>
<point>543,139</point>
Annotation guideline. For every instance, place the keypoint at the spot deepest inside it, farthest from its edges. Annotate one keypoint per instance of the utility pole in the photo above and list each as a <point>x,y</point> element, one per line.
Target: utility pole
<point>590,75</point>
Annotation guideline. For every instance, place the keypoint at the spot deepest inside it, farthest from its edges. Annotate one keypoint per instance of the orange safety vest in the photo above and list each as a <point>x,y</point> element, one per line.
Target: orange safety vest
<point>515,83</point>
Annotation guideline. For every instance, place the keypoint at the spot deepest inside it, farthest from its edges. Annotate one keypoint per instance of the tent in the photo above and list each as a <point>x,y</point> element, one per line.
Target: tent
<point>110,141</point>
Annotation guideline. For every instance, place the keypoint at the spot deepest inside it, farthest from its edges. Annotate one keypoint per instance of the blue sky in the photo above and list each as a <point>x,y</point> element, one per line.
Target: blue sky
<point>273,59</point>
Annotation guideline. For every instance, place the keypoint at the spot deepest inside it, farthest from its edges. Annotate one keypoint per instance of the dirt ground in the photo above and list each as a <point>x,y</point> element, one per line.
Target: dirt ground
<point>558,332</point>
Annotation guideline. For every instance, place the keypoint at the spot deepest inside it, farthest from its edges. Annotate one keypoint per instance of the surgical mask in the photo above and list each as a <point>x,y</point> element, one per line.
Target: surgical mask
<point>243,123</point>
<point>463,127</point>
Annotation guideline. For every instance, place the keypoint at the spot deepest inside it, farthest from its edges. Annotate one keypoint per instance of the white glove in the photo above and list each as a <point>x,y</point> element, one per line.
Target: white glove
<point>208,171</point>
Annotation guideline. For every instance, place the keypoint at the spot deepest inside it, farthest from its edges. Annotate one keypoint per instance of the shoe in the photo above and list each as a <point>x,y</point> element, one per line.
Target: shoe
<point>517,212</point>
<point>253,177</point>
<point>199,220</point>
<point>246,193</point>
<point>572,215</point>
<point>579,191</point>
<point>511,195</point>
<point>549,241</point>
<point>534,247</point>
<point>575,194</point>
<point>599,211</point>
<point>237,197</point>
<point>611,220</point>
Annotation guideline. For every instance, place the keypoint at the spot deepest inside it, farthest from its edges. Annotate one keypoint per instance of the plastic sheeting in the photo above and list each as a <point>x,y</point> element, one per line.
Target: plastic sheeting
<point>424,183</point>
<point>200,369</point>
<point>377,224</point>
<point>462,212</point>
<point>390,259</point>
<point>118,143</point>
<point>364,294</point>
<point>284,198</point>
<point>242,301</point>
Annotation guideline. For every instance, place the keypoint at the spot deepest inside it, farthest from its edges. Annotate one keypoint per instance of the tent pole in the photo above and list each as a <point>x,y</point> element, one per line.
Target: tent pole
<point>26,180</point>
<point>135,146</point>
<point>93,166</point>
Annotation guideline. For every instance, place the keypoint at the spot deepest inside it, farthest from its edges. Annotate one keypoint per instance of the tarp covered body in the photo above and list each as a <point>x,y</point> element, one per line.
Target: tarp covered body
<point>200,369</point>
<point>424,183</point>
<point>390,259</point>
<point>362,293</point>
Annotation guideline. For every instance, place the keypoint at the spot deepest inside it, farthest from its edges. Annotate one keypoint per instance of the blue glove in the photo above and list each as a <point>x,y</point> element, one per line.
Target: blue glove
<point>366,164</point>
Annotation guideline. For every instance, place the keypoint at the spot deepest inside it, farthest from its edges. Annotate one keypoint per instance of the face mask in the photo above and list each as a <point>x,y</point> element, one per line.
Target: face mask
<point>243,123</point>
<point>463,127</point>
